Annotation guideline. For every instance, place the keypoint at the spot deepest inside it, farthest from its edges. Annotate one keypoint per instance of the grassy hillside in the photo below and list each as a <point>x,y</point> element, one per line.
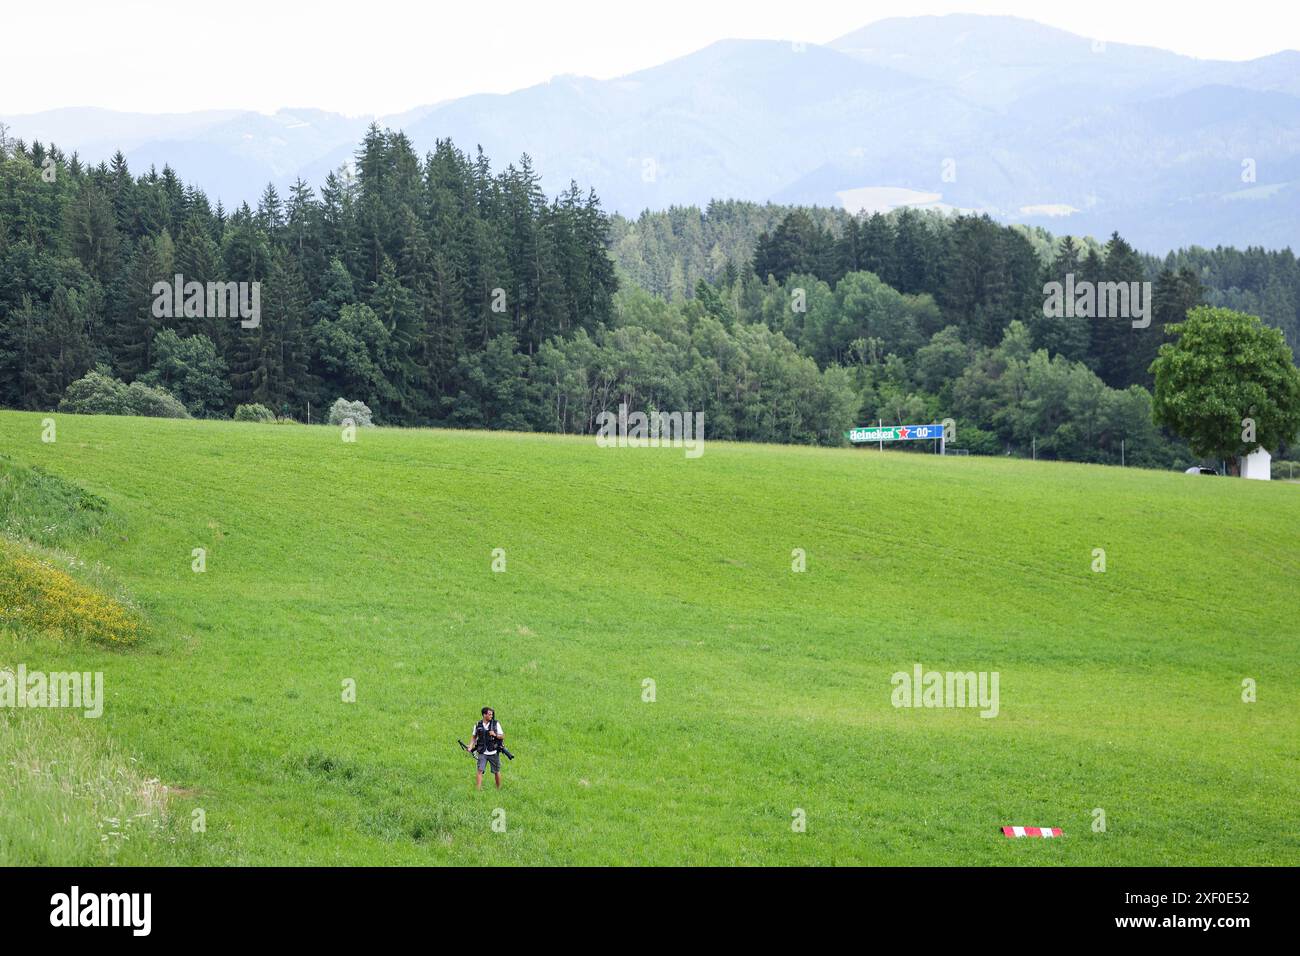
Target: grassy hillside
<point>372,561</point>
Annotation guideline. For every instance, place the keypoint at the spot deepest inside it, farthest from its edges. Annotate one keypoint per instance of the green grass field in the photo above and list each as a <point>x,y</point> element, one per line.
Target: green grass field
<point>372,561</point>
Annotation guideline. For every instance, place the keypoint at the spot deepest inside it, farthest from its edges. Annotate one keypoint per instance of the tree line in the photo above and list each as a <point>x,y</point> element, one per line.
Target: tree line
<point>668,251</point>
<point>390,285</point>
<point>441,292</point>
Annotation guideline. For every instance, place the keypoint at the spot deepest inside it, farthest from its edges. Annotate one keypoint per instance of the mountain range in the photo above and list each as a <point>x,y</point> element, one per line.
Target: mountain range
<point>996,114</point>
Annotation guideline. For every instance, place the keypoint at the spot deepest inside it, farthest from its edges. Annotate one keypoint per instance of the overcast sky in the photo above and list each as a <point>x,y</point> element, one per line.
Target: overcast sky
<point>385,56</point>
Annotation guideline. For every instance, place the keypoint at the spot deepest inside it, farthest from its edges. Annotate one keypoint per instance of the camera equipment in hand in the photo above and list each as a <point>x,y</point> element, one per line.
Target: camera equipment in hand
<point>477,743</point>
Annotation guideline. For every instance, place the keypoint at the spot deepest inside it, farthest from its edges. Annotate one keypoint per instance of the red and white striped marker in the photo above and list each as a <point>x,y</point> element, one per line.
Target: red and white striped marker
<point>1031,831</point>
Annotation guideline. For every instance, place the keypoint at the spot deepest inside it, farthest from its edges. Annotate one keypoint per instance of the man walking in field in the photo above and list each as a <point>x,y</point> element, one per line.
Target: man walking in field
<point>486,744</point>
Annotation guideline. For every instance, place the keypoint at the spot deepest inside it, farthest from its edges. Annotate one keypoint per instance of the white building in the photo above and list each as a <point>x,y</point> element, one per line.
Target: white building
<point>1258,465</point>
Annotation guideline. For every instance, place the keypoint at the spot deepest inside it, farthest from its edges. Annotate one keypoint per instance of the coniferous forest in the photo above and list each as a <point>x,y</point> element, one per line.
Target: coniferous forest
<point>442,292</point>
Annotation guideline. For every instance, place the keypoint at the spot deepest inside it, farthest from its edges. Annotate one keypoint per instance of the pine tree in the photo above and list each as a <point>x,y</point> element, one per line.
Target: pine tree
<point>92,234</point>
<point>1113,338</point>
<point>59,351</point>
<point>279,377</point>
<point>133,324</point>
<point>1175,294</point>
<point>1064,335</point>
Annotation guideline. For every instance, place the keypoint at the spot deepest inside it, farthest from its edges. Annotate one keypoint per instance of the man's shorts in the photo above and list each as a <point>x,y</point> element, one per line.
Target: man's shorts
<point>493,759</point>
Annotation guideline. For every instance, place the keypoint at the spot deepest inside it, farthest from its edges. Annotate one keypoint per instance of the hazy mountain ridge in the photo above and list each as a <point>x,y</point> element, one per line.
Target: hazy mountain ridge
<point>990,113</point>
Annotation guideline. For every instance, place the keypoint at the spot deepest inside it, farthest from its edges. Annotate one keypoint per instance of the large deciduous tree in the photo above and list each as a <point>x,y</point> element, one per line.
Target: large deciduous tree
<point>1227,385</point>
